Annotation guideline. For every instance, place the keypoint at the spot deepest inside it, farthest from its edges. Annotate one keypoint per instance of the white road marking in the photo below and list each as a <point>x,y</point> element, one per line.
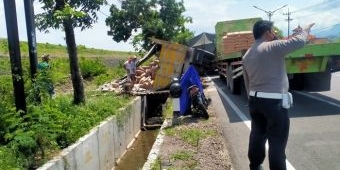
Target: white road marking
<point>241,115</point>
<point>337,73</point>
<point>316,98</point>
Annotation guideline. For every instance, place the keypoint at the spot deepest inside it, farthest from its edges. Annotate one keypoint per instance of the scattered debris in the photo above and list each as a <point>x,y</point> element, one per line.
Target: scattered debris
<point>145,76</point>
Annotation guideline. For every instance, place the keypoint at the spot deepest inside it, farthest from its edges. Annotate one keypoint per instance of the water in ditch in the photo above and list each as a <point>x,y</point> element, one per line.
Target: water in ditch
<point>137,154</point>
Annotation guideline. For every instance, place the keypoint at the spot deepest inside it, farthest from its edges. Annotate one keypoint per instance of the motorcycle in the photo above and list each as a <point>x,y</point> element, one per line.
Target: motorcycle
<point>199,102</point>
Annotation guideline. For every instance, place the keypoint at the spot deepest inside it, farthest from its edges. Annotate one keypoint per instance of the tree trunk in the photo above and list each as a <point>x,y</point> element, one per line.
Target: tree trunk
<point>78,87</point>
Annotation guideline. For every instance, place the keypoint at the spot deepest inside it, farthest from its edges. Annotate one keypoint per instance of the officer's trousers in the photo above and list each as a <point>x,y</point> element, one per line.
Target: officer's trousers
<point>269,121</point>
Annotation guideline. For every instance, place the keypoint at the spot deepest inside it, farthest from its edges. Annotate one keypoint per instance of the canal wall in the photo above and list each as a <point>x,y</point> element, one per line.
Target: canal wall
<point>104,145</point>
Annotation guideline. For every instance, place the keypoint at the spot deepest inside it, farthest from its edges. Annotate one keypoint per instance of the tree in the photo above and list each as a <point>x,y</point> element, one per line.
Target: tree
<point>160,19</point>
<point>68,14</point>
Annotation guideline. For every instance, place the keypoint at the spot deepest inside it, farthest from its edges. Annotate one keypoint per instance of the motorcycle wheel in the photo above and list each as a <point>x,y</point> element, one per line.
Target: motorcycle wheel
<point>203,112</point>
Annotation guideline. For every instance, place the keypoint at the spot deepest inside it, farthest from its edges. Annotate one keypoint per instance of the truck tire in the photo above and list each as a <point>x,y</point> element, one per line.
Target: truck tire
<point>222,77</point>
<point>234,85</point>
<point>243,89</point>
<point>228,77</point>
<point>297,82</point>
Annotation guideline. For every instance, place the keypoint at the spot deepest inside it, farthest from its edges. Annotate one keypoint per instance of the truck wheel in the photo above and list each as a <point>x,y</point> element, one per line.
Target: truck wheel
<point>243,89</point>
<point>236,88</point>
<point>229,77</point>
<point>234,85</point>
<point>222,77</point>
<point>296,83</point>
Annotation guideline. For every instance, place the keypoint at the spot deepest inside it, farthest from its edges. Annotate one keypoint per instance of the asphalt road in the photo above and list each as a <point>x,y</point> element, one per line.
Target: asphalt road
<point>314,141</point>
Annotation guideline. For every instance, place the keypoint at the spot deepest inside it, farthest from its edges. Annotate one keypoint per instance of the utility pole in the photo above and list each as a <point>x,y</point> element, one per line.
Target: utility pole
<point>14,54</point>
<point>288,19</point>
<point>269,13</point>
<point>31,38</point>
<point>32,43</point>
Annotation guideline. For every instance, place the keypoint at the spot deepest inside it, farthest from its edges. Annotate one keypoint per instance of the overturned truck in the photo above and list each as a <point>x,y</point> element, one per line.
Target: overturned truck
<point>173,59</point>
<point>164,62</point>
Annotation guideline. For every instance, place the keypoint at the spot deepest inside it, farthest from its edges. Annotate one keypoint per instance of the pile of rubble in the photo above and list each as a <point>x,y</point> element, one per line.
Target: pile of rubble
<point>145,76</point>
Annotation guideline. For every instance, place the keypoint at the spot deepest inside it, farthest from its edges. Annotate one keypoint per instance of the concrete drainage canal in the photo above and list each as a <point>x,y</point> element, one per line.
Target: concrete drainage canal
<point>138,152</point>
<point>152,109</point>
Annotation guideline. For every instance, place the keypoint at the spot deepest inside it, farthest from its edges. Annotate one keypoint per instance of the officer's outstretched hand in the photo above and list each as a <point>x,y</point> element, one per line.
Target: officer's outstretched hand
<point>307,29</point>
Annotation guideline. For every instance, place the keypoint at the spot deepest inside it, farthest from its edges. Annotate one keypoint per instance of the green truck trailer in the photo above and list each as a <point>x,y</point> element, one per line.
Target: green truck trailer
<point>308,69</point>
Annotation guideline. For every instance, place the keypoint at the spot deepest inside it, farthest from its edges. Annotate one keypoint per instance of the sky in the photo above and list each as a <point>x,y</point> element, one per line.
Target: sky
<point>205,14</point>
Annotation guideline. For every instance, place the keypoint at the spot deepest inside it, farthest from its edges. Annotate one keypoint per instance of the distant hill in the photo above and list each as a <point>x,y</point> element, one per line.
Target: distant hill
<point>332,33</point>
<point>60,50</point>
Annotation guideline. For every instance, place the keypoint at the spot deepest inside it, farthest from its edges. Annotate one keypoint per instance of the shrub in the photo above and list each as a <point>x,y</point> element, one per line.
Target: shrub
<point>55,124</point>
<point>8,159</point>
<point>91,68</point>
<point>32,135</point>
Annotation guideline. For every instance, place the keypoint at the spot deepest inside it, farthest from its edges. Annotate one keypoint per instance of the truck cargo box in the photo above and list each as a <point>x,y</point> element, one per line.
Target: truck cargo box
<point>173,60</point>
<point>240,34</point>
<point>314,58</point>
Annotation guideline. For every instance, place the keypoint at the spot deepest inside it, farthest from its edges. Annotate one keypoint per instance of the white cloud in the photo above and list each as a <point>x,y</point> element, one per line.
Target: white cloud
<point>322,19</point>
<point>205,14</point>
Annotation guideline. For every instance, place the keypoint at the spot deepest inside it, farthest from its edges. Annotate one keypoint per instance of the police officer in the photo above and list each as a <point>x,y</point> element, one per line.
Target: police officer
<point>266,82</point>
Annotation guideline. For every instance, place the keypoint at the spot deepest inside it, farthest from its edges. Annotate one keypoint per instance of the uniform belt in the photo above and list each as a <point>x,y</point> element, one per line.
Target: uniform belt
<point>265,95</point>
